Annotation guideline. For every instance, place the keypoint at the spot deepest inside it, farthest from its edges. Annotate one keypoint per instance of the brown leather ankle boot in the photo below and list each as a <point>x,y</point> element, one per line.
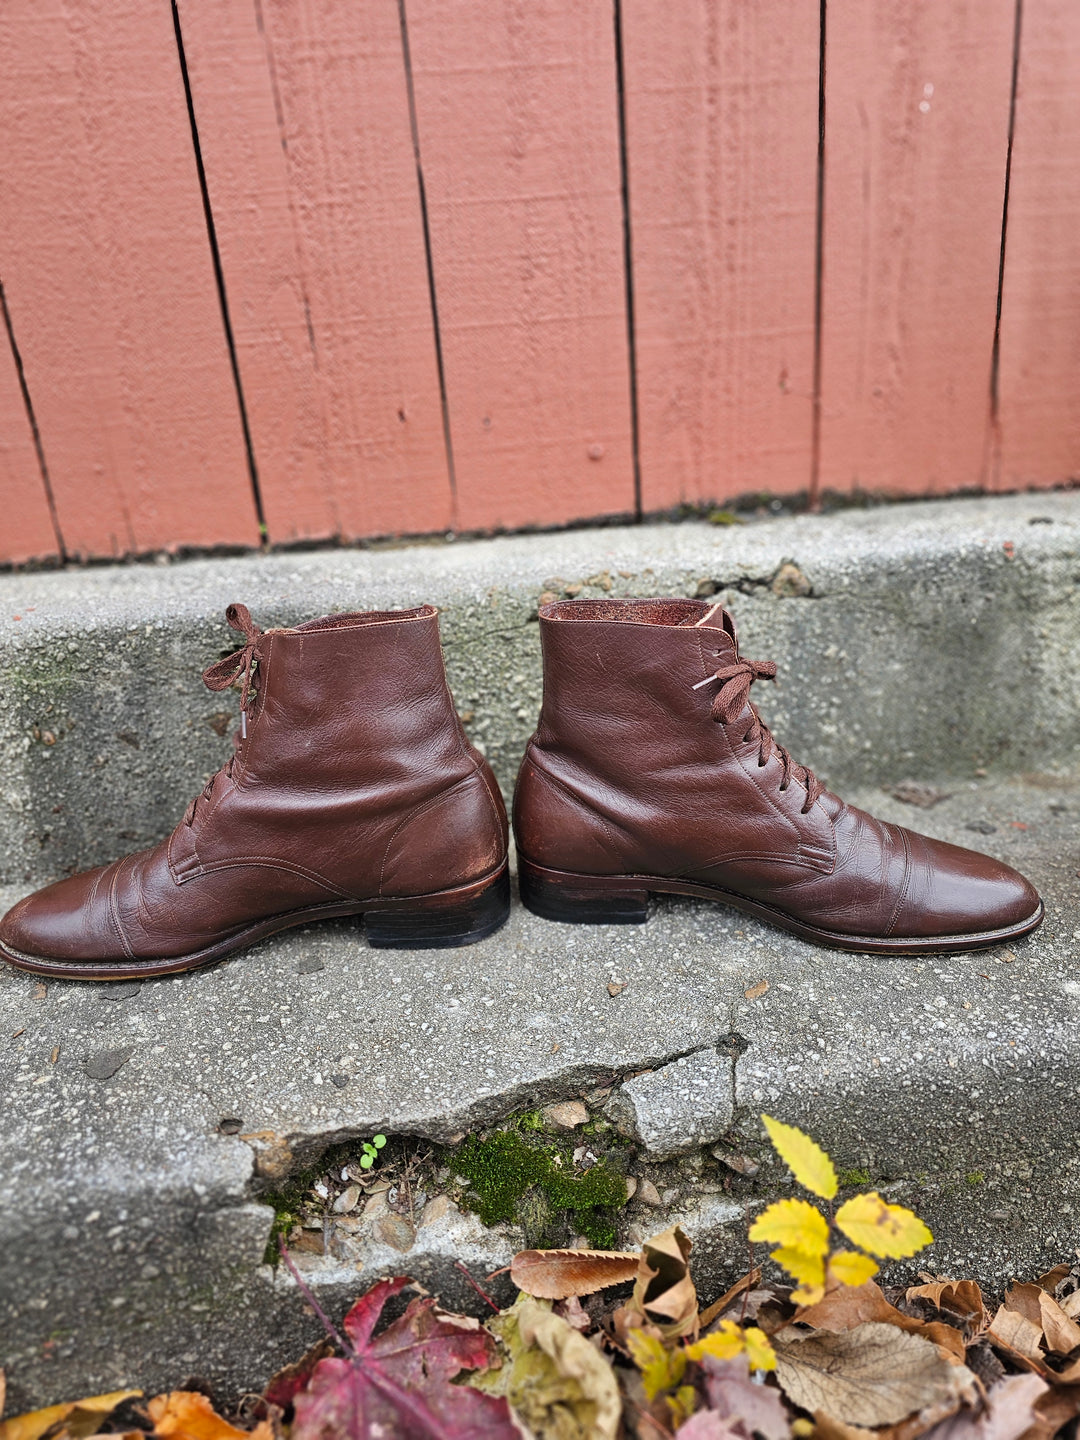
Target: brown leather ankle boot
<point>352,791</point>
<point>652,771</point>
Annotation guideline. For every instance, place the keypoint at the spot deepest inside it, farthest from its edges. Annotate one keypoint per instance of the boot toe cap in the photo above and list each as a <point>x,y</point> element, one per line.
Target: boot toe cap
<point>64,921</point>
<point>953,891</point>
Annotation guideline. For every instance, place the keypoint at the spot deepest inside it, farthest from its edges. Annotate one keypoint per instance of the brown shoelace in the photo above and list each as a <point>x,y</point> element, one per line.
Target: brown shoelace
<point>240,667</point>
<point>733,695</point>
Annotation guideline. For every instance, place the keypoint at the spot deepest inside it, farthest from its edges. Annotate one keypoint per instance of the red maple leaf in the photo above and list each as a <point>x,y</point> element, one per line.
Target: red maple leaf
<point>398,1386</point>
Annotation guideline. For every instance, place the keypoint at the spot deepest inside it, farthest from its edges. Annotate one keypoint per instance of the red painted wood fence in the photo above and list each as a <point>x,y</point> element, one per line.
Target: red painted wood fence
<point>292,270</point>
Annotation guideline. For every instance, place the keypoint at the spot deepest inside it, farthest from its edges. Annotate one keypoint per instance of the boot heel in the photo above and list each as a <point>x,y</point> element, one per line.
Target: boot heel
<point>581,899</point>
<point>433,922</point>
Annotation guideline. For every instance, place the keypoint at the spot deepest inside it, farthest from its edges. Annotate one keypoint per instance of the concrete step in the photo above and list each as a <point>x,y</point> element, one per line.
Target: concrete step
<point>914,640</point>
<point>140,1126</point>
<point>132,1227</point>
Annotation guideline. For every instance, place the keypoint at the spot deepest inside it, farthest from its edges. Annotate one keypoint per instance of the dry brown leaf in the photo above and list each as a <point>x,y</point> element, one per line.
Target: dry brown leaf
<point>36,1422</point>
<point>664,1293</point>
<point>187,1415</point>
<point>558,1274</point>
<point>1062,1334</point>
<point>717,1308</point>
<point>1024,1300</point>
<point>1055,1408</point>
<point>755,992</point>
<point>1069,1376</point>
<point>1053,1277</point>
<point>850,1305</point>
<point>826,1428</point>
<point>961,1298</point>
<point>1008,1414</point>
<point>872,1375</point>
<point>1071,1305</point>
<point>1019,1337</point>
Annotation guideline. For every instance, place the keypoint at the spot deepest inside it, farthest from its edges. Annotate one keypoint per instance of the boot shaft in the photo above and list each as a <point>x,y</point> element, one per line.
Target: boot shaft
<point>351,696</point>
<point>620,678</point>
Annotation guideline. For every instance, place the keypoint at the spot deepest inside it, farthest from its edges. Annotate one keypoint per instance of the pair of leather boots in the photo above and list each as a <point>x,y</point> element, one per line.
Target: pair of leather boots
<point>353,790</point>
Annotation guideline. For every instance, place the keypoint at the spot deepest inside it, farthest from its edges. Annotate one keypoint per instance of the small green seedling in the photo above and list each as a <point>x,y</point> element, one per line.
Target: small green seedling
<point>371,1150</point>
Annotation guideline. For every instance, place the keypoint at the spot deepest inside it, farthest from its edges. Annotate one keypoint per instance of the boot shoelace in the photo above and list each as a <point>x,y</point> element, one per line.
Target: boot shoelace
<point>734,693</point>
<point>240,666</point>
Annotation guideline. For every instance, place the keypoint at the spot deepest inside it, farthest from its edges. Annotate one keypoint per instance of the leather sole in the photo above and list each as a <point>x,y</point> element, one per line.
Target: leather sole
<point>417,922</point>
<point>623,900</point>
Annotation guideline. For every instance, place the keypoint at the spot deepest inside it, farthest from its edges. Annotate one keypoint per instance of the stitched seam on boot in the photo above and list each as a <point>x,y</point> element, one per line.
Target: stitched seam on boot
<point>478,772</point>
<point>114,910</point>
<point>608,825</point>
<point>904,886</point>
<point>269,862</point>
<point>420,809</point>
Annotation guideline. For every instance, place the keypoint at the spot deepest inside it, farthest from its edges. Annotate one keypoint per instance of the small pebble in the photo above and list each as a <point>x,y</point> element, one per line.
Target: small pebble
<point>648,1194</point>
<point>346,1201</point>
<point>567,1115</point>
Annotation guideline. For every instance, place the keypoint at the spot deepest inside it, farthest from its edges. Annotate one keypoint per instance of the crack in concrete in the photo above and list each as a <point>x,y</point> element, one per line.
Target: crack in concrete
<point>278,1156</point>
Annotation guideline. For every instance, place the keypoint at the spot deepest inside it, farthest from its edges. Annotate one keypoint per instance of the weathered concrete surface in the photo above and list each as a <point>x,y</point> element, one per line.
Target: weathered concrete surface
<point>935,638</point>
<point>131,1231</point>
<point>677,1107</point>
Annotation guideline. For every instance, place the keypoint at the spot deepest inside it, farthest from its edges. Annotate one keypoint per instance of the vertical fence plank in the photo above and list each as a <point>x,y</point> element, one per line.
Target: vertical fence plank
<point>303,116</point>
<point>517,112</point>
<point>110,283</point>
<point>722,131</point>
<point>916,134</point>
<point>1038,391</point>
<point>26,530</point>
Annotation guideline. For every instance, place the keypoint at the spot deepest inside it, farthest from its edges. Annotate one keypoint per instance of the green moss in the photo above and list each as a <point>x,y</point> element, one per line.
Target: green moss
<point>512,1179</point>
<point>975,1177</point>
<point>853,1177</point>
<point>531,1120</point>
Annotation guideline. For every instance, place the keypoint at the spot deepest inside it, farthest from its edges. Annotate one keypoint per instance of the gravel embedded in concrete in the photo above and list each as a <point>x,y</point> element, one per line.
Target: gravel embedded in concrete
<point>678,1106</point>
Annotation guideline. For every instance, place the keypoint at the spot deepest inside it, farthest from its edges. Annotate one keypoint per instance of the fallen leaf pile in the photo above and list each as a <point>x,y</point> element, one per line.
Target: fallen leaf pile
<point>567,1362</point>
<point>616,1345</point>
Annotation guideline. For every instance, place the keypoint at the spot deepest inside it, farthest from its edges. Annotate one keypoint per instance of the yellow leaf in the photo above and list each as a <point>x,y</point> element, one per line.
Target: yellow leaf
<point>850,1268</point>
<point>189,1415</point>
<point>30,1426</point>
<point>802,1428</point>
<point>759,1352</point>
<point>681,1404</point>
<point>795,1224</point>
<point>660,1368</point>
<point>808,1294</point>
<point>805,1159</point>
<point>806,1269</point>
<point>889,1231</point>
<point>724,1343</point>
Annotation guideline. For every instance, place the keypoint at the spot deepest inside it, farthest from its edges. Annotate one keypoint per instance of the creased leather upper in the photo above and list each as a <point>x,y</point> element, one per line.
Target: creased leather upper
<point>355,781</point>
<point>631,773</point>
